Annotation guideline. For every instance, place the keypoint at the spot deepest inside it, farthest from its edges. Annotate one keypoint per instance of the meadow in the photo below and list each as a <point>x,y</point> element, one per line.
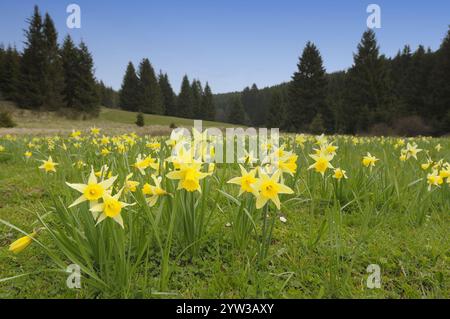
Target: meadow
<point>147,216</point>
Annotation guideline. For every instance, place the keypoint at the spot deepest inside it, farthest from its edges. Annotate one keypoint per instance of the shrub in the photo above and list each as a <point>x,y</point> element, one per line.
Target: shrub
<point>411,126</point>
<point>6,119</point>
<point>173,125</point>
<point>140,119</point>
<point>381,129</point>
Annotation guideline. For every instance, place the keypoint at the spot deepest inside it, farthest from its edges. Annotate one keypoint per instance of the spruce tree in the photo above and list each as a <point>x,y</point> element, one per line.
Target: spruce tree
<point>237,113</point>
<point>9,85</point>
<point>31,85</point>
<point>208,107</point>
<point>307,91</point>
<point>2,68</point>
<point>369,92</point>
<point>197,92</point>
<point>150,93</point>
<point>276,114</point>
<point>168,95</point>
<point>69,55</point>
<point>87,86</point>
<point>130,92</point>
<point>440,110</point>
<point>53,71</point>
<point>185,103</point>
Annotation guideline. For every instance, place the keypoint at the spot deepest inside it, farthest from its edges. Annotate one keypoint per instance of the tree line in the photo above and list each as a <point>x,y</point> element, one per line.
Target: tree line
<point>408,94</point>
<point>47,76</point>
<point>143,91</point>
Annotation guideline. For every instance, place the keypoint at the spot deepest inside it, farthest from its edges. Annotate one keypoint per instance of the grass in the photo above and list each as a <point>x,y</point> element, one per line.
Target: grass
<point>385,217</point>
<point>112,121</point>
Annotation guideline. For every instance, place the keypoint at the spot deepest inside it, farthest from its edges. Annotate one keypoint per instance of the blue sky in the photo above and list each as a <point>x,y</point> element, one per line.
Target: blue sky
<point>231,44</point>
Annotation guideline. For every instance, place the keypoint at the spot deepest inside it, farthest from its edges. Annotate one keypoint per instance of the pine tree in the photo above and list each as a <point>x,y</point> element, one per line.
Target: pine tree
<point>31,85</point>
<point>369,95</point>
<point>197,92</point>
<point>440,109</point>
<point>252,101</point>
<point>237,113</point>
<point>276,115</point>
<point>129,93</point>
<point>9,85</point>
<point>208,107</point>
<point>168,96</point>
<point>150,93</point>
<point>185,103</point>
<point>89,100</point>
<point>307,92</point>
<point>69,56</point>
<point>2,68</point>
<point>53,71</point>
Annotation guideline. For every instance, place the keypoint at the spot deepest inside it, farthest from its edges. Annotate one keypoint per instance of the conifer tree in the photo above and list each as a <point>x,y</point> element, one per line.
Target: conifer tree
<point>53,71</point>
<point>69,55</point>
<point>237,113</point>
<point>129,93</point>
<point>208,107</point>
<point>307,91</point>
<point>440,110</point>
<point>197,92</point>
<point>185,103</point>
<point>369,92</point>
<point>276,115</point>
<point>10,73</point>
<point>87,87</point>
<point>168,95</point>
<point>2,67</point>
<point>150,93</point>
<point>31,86</point>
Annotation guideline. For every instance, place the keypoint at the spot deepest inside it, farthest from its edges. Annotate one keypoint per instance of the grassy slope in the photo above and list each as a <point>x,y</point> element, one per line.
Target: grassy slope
<point>109,119</point>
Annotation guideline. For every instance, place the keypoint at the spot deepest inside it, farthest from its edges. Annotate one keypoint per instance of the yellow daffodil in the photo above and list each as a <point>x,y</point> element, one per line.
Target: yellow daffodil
<point>143,163</point>
<point>369,160</point>
<point>154,191</point>
<point>22,243</point>
<point>246,181</point>
<point>339,174</point>
<point>130,186</point>
<point>110,207</point>
<point>95,131</point>
<point>269,188</point>
<point>93,190</point>
<point>48,165</point>
<point>288,164</point>
<point>434,179</point>
<point>321,163</point>
<point>28,154</point>
<point>189,176</point>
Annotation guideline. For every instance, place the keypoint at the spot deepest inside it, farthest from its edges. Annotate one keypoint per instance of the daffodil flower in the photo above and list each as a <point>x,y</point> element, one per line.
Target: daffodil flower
<point>92,191</point>
<point>246,181</point>
<point>189,176</point>
<point>268,189</point>
<point>49,165</point>
<point>22,243</point>
<point>155,191</point>
<point>111,207</point>
<point>322,163</point>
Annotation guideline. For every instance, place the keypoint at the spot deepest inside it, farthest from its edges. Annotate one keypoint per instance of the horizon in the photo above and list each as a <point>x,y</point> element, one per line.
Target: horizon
<point>229,56</point>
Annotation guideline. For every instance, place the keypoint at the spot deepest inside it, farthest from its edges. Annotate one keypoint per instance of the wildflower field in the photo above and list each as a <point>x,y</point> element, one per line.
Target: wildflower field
<point>152,217</point>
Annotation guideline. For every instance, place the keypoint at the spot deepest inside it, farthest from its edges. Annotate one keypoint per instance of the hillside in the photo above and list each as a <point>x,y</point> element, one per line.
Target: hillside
<point>109,120</point>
